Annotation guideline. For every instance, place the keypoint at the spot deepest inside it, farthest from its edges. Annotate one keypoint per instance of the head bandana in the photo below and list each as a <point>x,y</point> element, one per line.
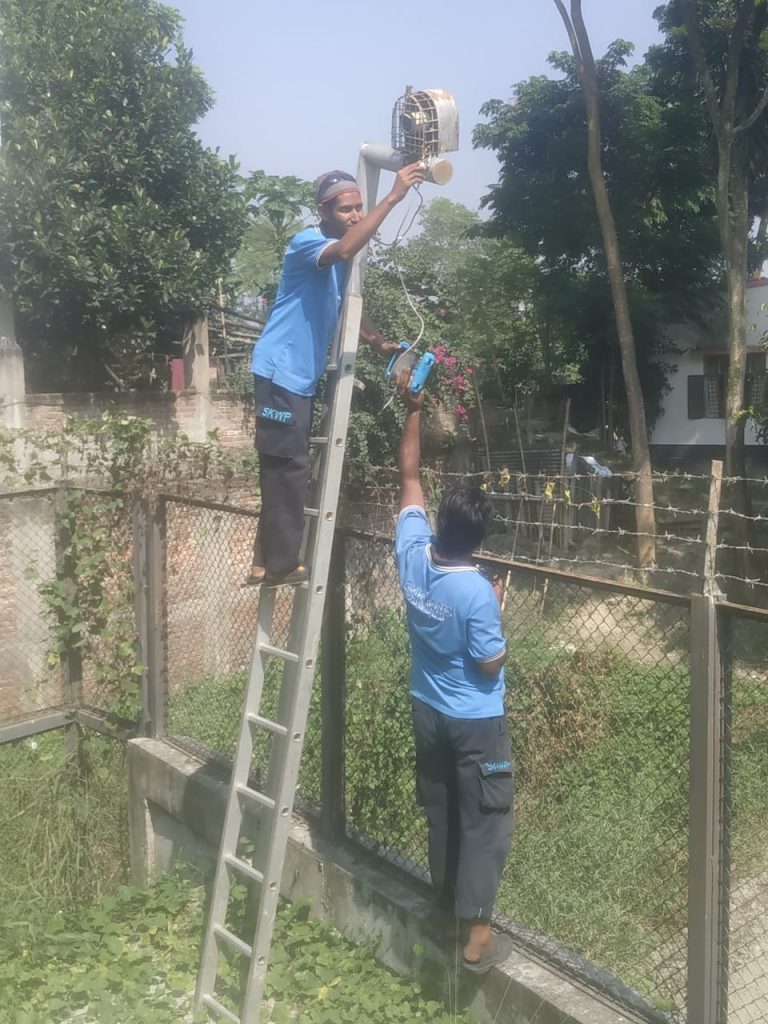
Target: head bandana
<point>333,184</point>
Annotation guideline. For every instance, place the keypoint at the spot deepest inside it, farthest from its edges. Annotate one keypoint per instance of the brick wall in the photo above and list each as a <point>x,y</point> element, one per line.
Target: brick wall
<point>171,411</point>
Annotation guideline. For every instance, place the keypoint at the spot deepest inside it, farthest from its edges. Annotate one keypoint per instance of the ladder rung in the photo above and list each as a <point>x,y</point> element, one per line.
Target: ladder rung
<point>331,367</point>
<point>318,440</point>
<point>215,1005</point>
<point>313,513</point>
<point>266,723</point>
<point>244,868</point>
<point>257,797</point>
<point>278,652</point>
<point>238,944</point>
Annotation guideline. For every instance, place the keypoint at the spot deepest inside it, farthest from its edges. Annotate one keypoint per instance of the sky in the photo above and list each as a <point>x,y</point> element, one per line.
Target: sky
<point>299,86</point>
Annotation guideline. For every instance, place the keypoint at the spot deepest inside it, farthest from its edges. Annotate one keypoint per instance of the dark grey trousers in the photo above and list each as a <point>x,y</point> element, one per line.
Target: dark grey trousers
<point>465,784</point>
<point>283,423</point>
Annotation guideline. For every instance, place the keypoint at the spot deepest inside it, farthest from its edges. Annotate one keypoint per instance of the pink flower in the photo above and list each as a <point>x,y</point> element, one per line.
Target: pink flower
<point>451,361</point>
<point>468,371</point>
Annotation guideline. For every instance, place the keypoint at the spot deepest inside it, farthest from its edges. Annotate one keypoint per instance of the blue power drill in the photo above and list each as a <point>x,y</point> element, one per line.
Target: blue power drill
<point>404,360</point>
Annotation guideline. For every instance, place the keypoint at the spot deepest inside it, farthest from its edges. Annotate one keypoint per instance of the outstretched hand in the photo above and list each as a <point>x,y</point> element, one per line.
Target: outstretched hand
<point>407,177</point>
<point>413,403</point>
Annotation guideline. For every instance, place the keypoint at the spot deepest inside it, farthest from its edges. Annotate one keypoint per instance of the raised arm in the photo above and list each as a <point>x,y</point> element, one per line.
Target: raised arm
<point>371,333</point>
<point>409,456</point>
<point>360,234</point>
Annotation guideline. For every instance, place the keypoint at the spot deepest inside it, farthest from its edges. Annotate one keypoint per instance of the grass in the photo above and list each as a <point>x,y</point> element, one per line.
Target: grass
<point>599,858</point>
<point>64,838</point>
<point>134,957</point>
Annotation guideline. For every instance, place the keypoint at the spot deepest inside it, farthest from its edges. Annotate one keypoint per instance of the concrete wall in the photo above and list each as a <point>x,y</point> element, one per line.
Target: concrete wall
<point>176,812</point>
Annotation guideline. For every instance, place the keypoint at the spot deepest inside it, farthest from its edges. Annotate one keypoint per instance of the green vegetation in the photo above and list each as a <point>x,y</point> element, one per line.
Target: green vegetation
<point>599,858</point>
<point>116,221</point>
<point>64,840</point>
<point>134,956</point>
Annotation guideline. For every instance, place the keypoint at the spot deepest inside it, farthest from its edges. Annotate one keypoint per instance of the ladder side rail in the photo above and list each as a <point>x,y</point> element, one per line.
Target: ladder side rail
<point>297,679</point>
<point>296,689</point>
<point>233,819</point>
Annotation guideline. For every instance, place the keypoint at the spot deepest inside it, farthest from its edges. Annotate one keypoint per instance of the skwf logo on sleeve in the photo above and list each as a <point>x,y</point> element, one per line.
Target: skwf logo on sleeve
<point>279,415</point>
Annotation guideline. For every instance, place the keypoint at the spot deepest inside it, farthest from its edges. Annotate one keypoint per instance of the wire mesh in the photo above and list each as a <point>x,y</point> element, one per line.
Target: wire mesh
<point>211,629</point>
<point>30,676</point>
<point>597,697</point>
<point>744,821</point>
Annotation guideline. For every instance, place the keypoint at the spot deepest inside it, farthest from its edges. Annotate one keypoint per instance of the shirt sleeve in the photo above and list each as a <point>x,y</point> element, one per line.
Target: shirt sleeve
<point>412,529</point>
<point>485,639</point>
<point>306,247</point>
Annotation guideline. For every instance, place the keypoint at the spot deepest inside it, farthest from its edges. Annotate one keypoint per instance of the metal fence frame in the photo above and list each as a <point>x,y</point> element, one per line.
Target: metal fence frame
<point>711,619</point>
<point>707,933</point>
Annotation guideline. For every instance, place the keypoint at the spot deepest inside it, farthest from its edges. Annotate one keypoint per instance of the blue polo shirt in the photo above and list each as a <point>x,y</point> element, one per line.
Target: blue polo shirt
<point>293,348</point>
<point>454,622</point>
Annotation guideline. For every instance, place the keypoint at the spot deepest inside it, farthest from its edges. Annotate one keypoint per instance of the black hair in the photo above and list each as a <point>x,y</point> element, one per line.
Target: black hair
<point>463,519</point>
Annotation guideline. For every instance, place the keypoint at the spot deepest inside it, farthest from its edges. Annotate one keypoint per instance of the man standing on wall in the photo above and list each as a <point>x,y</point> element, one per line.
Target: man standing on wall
<point>291,355</point>
<point>463,755</point>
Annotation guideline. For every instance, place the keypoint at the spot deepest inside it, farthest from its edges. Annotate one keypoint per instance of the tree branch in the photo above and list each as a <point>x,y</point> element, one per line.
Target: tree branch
<point>691,21</point>
<point>735,50</point>
<point>571,34</point>
<point>759,109</point>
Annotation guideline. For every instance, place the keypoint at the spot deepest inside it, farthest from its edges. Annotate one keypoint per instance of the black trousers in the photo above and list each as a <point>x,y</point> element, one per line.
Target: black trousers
<point>465,784</point>
<point>283,424</point>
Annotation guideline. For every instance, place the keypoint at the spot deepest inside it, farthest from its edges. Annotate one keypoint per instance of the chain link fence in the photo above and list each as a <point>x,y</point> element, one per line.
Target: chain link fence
<point>598,681</point>
<point>599,676</point>
<point>210,624</point>
<point>30,679</point>
<point>600,673</point>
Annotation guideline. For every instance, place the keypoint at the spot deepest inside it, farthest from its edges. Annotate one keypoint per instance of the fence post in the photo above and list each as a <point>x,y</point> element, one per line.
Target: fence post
<point>333,694</point>
<point>707,957</point>
<point>149,576</point>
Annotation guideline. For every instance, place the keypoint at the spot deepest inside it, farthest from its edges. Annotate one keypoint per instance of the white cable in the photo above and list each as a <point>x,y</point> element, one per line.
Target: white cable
<point>401,232</point>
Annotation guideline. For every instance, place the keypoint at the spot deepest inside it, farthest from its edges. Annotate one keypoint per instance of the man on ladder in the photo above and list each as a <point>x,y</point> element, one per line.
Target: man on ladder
<point>261,806</point>
<point>290,358</point>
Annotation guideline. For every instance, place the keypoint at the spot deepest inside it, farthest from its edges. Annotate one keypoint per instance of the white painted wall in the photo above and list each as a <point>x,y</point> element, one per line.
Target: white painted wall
<point>757,313</point>
<point>673,426</point>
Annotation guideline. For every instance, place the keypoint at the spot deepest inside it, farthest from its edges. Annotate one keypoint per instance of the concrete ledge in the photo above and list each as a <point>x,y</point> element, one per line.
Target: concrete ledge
<point>176,813</point>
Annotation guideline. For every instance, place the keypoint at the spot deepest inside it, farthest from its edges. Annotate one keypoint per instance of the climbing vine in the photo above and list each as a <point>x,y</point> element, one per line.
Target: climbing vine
<point>101,467</point>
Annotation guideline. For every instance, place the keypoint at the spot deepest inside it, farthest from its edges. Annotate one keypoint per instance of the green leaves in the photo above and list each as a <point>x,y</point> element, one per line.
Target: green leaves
<point>135,956</point>
<point>116,221</point>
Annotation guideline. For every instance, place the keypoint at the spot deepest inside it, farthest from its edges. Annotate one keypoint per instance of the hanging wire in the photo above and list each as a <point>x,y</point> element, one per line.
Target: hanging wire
<point>400,234</point>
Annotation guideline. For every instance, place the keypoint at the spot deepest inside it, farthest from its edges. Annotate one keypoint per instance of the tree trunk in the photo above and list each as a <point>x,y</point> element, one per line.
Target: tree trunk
<point>641,458</point>
<point>734,233</point>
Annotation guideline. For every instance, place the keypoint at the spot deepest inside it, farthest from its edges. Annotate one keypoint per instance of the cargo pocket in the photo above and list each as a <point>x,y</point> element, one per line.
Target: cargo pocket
<point>497,781</point>
<point>497,789</point>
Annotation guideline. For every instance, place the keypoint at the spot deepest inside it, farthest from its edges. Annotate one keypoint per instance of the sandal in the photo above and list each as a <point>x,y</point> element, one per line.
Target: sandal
<point>298,575</point>
<point>502,948</point>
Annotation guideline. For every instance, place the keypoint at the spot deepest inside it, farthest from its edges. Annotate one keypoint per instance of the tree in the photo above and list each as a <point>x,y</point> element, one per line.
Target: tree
<point>641,456</point>
<point>277,209</point>
<point>727,42</point>
<point>116,222</point>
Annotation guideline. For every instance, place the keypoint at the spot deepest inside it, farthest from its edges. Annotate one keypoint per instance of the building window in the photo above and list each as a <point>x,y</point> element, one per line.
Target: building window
<point>706,391</point>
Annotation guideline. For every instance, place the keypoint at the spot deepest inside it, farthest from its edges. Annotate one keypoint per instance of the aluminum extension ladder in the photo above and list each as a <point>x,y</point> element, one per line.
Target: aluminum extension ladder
<point>286,730</point>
